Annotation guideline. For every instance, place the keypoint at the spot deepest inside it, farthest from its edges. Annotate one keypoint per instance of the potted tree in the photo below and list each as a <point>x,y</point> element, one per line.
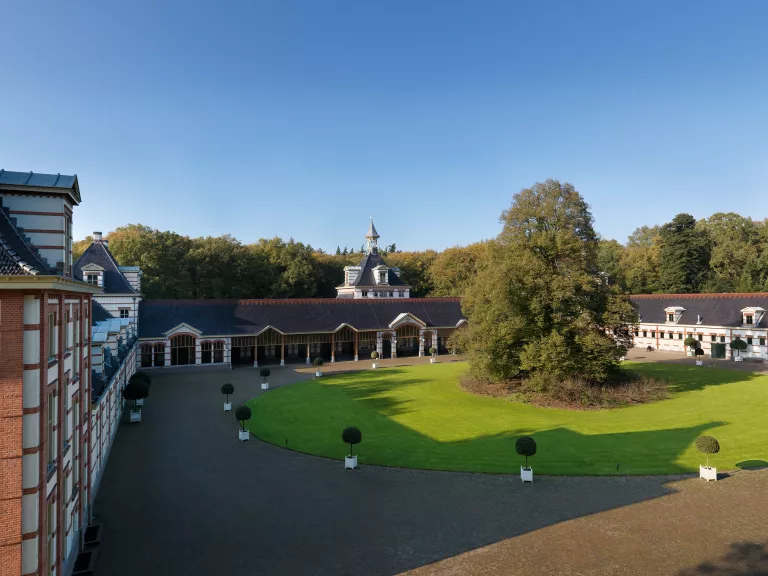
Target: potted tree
<point>351,436</point>
<point>264,375</point>
<point>707,445</point>
<point>692,344</point>
<point>432,352</point>
<point>699,352</point>
<point>144,377</point>
<point>526,446</point>
<point>738,345</point>
<point>136,389</point>
<point>374,357</point>
<point>227,389</point>
<point>318,363</point>
<point>243,413</point>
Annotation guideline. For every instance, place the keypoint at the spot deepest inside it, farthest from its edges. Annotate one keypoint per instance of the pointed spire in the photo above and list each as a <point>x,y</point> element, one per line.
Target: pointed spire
<point>372,231</point>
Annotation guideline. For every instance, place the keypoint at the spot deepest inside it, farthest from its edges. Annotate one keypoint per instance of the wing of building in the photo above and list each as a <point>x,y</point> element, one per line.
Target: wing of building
<point>253,332</point>
<point>63,363</point>
<point>715,320</point>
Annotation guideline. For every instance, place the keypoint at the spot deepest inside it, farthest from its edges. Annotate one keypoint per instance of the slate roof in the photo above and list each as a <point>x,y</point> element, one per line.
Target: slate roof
<point>366,276</point>
<point>291,316</point>
<point>98,253</point>
<point>99,313</point>
<point>37,180</point>
<point>372,231</point>
<point>714,309</point>
<point>17,256</point>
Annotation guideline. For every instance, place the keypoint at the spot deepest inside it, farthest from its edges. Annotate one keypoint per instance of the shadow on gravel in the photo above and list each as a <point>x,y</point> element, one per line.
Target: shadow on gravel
<point>743,559</point>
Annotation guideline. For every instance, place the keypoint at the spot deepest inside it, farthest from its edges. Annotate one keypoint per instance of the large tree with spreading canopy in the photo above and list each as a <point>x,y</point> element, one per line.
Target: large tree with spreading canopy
<point>538,303</point>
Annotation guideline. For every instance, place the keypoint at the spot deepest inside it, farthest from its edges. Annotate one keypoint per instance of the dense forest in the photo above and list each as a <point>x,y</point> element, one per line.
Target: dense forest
<point>723,253</point>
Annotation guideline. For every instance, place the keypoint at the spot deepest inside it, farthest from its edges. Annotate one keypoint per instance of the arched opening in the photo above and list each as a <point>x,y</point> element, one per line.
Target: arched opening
<point>268,347</point>
<point>386,345</point>
<point>243,350</point>
<point>344,344</point>
<point>407,340</point>
<point>182,349</point>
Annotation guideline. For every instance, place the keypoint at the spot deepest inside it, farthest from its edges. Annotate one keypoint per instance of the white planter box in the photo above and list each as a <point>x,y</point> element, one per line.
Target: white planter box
<point>739,359</point>
<point>708,473</point>
<point>136,416</point>
<point>526,474</point>
<point>318,373</point>
<point>243,435</point>
<point>140,402</point>
<point>350,462</point>
<point>432,360</point>
<point>375,366</point>
<point>265,385</point>
<point>227,406</point>
<point>699,362</point>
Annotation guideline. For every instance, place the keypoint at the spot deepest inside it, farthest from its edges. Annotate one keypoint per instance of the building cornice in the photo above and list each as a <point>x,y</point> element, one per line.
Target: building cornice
<point>46,283</point>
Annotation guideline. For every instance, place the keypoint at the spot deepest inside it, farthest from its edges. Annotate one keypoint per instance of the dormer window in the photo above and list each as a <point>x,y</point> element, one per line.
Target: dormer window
<point>92,279</point>
<point>382,277</point>
<point>748,319</point>
<point>670,317</point>
<point>752,315</point>
<point>674,313</point>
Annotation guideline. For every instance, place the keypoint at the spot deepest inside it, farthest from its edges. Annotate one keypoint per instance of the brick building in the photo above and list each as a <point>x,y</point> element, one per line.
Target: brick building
<point>47,415</point>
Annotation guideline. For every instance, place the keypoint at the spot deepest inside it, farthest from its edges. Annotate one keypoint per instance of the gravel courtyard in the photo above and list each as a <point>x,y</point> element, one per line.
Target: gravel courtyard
<point>181,495</point>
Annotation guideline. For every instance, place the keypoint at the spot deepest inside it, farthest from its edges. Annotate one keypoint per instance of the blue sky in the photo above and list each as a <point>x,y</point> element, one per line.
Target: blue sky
<point>305,118</point>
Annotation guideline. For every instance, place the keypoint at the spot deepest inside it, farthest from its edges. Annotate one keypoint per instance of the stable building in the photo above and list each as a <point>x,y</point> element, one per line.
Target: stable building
<point>292,331</point>
<point>715,320</point>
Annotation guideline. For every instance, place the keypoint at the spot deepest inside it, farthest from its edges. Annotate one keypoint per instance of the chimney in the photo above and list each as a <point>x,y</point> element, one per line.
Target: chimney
<point>98,239</point>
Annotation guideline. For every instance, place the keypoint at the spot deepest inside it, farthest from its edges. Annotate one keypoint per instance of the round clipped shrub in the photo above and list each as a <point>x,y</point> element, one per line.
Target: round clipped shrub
<point>140,377</point>
<point>136,389</point>
<point>707,445</point>
<point>691,342</point>
<point>351,436</point>
<point>144,376</point>
<point>242,413</point>
<point>227,389</point>
<point>374,355</point>
<point>525,446</point>
<point>433,350</point>
<point>698,352</point>
<point>318,361</point>
<point>265,372</point>
<point>739,345</point>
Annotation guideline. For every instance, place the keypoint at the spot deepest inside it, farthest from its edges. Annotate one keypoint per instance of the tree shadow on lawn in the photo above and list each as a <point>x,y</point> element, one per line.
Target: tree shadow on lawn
<point>563,451</point>
<point>373,390</point>
<point>685,378</point>
<point>743,559</point>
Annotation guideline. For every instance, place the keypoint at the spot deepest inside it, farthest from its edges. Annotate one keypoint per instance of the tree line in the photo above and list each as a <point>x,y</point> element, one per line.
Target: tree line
<point>177,266</point>
<point>723,253</point>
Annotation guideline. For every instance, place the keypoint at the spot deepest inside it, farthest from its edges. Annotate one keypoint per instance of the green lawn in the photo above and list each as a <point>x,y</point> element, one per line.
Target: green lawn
<point>419,417</point>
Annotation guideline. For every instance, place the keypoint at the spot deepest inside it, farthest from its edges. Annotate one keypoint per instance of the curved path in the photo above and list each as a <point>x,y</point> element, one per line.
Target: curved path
<point>181,495</point>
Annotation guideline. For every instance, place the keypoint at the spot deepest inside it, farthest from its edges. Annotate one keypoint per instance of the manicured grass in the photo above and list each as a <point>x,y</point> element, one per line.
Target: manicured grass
<point>419,417</point>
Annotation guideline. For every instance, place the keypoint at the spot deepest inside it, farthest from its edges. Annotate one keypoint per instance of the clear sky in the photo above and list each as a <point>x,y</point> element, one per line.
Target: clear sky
<point>302,119</point>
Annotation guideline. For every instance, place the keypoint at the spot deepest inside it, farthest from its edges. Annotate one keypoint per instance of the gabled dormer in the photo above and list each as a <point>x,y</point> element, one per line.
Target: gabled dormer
<point>751,316</point>
<point>673,314</point>
<point>381,275</point>
<point>93,274</point>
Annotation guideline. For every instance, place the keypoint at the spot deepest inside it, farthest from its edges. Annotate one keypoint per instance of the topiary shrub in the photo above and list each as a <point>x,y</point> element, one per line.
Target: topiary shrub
<point>144,376</point>
<point>739,345</point>
<point>264,372</point>
<point>227,389</point>
<point>525,446</point>
<point>698,352</point>
<point>374,355</point>
<point>707,445</point>
<point>318,361</point>
<point>136,389</point>
<point>140,377</point>
<point>351,436</point>
<point>432,351</point>
<point>242,413</point>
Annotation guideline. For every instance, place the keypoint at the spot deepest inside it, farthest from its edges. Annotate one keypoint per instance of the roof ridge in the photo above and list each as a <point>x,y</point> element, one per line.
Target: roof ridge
<point>287,301</point>
<point>702,295</point>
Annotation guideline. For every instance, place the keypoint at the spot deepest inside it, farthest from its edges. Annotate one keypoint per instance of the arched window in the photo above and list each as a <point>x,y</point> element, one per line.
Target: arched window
<point>182,350</point>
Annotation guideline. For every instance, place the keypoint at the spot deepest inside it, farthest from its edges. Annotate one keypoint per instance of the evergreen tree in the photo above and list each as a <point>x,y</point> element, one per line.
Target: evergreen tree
<point>338,251</point>
<point>684,256</point>
<point>345,252</point>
